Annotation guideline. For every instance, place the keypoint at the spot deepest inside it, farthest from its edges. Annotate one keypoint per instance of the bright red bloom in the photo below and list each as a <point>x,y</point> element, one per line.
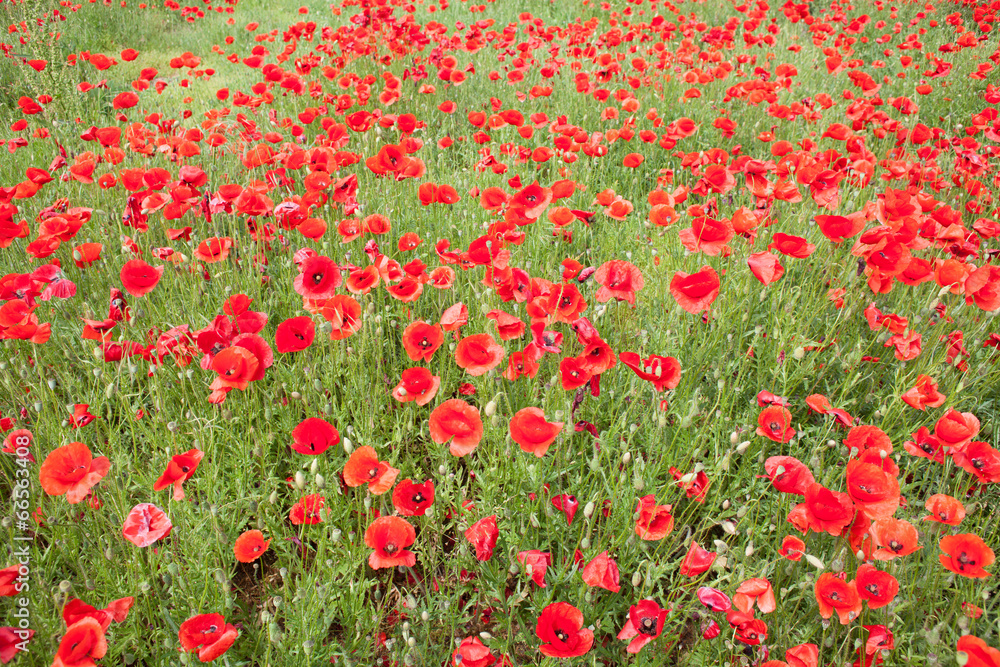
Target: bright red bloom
<point>753,591</point>
<point>459,422</point>
<point>788,474</point>
<point>560,627</point>
<point>308,510</point>
<point>894,538</point>
<point>363,467</point>
<point>644,624</point>
<point>389,536</point>
<point>417,384</point>
<point>207,634</point>
<point>313,436</point>
<point>83,641</point>
<point>833,594</point>
<point>792,548</point>
<point>877,588</point>
<point>775,423</point>
<point>535,564</point>
<point>294,334</point>
<point>472,653</point>
<point>250,546</point>
<point>421,340</point>
<point>827,511</point>
<point>618,280</point>
<point>655,521</point>
<point>146,524</point>
<point>139,278</point>
<point>966,554</point>
<point>478,354</point>
<point>483,535</point>
<point>977,653</point>
<point>530,430</point>
<point>695,292</point>
<point>956,429</point>
<point>411,499</point>
<point>873,490</point>
<point>319,277</point>
<point>180,469</point>
<point>944,509</point>
<point>924,394</point>
<point>72,470</point>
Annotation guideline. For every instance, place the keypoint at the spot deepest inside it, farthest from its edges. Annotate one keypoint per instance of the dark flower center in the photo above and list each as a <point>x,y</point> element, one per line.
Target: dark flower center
<point>647,625</point>
<point>390,548</point>
<point>963,559</point>
<point>317,278</point>
<point>561,635</point>
<point>895,546</point>
<point>418,497</point>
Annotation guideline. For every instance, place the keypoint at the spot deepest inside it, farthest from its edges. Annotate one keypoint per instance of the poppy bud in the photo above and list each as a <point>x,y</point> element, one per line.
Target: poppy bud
<point>335,535</point>
<point>320,482</point>
<point>273,498</point>
<point>348,445</point>
<point>729,527</point>
<point>815,562</point>
<point>639,484</point>
<point>424,616</point>
<point>636,580</point>
<point>588,510</point>
<point>725,504</point>
<point>300,480</point>
<point>626,458</point>
<point>749,550</point>
<point>742,447</point>
<point>585,543</point>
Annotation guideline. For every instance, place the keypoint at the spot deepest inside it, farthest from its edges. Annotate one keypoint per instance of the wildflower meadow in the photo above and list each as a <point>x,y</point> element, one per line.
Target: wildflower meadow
<point>422,333</point>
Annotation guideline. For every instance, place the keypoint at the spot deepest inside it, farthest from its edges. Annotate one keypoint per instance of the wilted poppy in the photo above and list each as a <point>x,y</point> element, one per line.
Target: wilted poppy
<point>535,564</point>
<point>792,548</point>
<point>655,521</point>
<point>459,422</point>
<point>788,474</point>
<point>755,591</point>
<point>532,432</point>
<point>363,467</point>
<point>146,524</point>
<point>250,546</point>
<point>602,572</point>
<point>207,634</point>
<point>924,394</point>
<point>560,627</point>
<point>483,535</point>
<point>389,536</point>
<point>663,372</point>
<point>697,560</point>
<point>697,291</point>
<point>72,470</point>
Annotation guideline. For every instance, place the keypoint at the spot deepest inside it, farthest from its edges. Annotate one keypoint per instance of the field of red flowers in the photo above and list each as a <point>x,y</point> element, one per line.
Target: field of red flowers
<point>431,333</point>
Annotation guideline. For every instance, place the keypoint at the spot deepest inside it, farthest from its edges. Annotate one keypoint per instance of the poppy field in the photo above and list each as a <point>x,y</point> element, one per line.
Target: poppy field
<point>649,332</point>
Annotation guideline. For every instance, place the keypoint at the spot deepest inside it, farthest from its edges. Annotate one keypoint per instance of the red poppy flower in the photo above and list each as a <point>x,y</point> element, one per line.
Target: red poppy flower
<point>618,280</point>
<point>755,591</point>
<point>530,430</point>
<point>980,459</point>
<point>788,474</point>
<point>81,644</point>
<point>827,511</point>
<point>875,587</point>
<point>560,627</point>
<point>308,510</point>
<point>250,546</point>
<point>873,490</point>
<point>697,560</point>
<point>714,599</point>
<point>749,630</point>
<point>966,554</point>
<point>363,467</point>
<point>575,372</point>
<point>472,653</point>
<point>214,249</point>
<point>792,246</point>
<point>208,634</point>
<point>956,429</point>
<point>294,334</point>
<point>944,509</point>
<point>792,548</point>
<point>456,419</point>
<point>411,499</point>
<point>564,302</point>
<point>455,317</point>
<point>319,277</point>
<point>602,572</point>
<point>509,327</point>
<point>417,384</point>
<point>924,394</point>
<point>117,611</point>
<point>765,267</point>
<point>833,594</point>
<point>663,372</point>
<point>18,442</point>
<point>389,536</point>
<point>421,340</point>
<point>139,278</point>
<point>655,521</point>
<point>313,436</point>
<point>483,535</point>
<point>708,235</point>
<point>644,624</point>
<point>894,538</point>
<point>72,470</point>
<point>344,314</point>
<point>567,504</point>
<point>180,469</point>
<point>478,354</point>
<point>697,291</point>
<point>977,653</point>
<point>535,564</point>
<point>775,423</point>
<point>146,524</point>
